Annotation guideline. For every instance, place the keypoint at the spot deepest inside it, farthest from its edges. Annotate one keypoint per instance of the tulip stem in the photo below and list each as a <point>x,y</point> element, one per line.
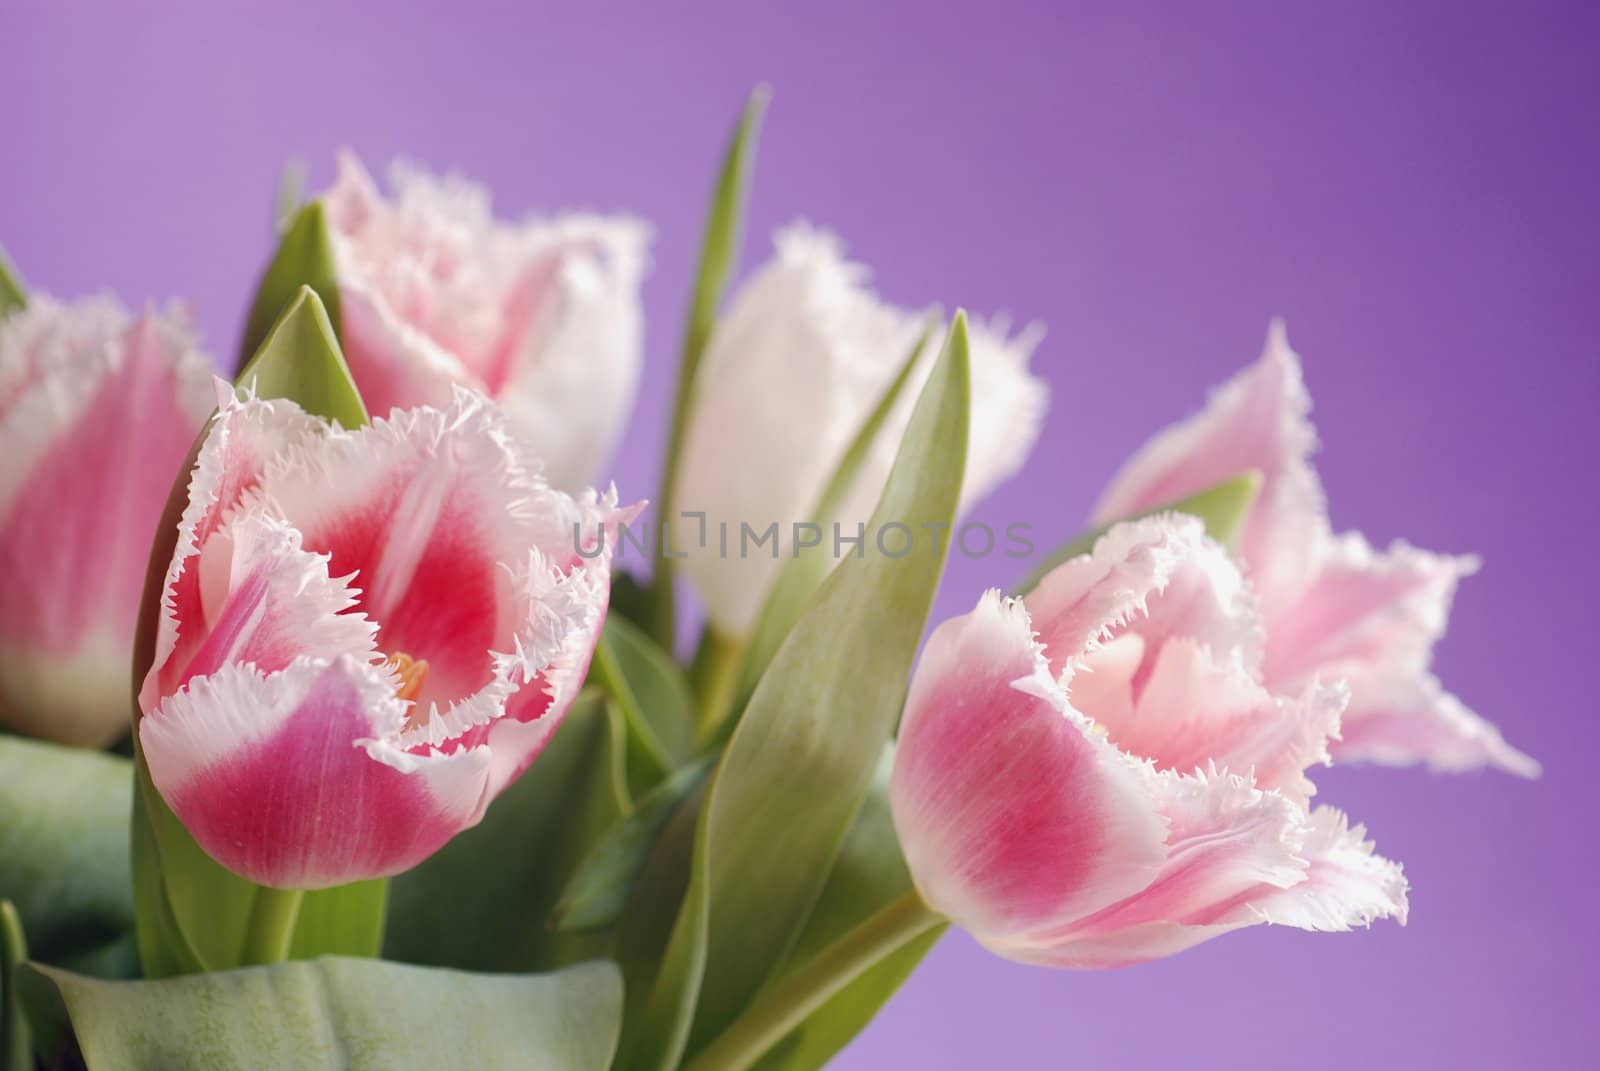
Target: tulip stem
<point>787,1003</point>
<point>714,675</point>
<point>270,934</point>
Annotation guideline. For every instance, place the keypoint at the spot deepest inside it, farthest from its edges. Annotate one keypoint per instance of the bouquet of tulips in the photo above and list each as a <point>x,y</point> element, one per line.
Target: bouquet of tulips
<point>345,728</point>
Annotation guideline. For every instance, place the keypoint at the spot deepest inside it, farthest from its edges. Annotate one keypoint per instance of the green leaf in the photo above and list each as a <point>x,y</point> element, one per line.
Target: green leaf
<point>483,902</point>
<point>64,844</point>
<point>1223,507</point>
<point>718,252</point>
<point>801,575</point>
<point>12,295</point>
<point>300,359</point>
<point>802,758</point>
<point>304,259</point>
<point>650,692</point>
<point>15,1043</point>
<point>332,1013</point>
<point>598,890</point>
<point>869,875</point>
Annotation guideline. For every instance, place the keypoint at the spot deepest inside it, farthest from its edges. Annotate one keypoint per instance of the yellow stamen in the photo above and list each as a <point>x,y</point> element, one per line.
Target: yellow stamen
<point>413,674</point>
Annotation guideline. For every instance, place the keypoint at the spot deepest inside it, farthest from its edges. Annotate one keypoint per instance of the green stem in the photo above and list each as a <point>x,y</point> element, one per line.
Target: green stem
<point>714,676</point>
<point>785,1005</point>
<point>647,744</point>
<point>270,933</point>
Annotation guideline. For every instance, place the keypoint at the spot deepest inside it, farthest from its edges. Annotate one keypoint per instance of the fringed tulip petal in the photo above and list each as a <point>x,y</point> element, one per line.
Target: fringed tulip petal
<point>268,773</point>
<point>1131,788</point>
<point>1258,421</point>
<point>97,411</point>
<point>542,316</point>
<point>1011,814</point>
<point>1334,608</point>
<point>408,608</point>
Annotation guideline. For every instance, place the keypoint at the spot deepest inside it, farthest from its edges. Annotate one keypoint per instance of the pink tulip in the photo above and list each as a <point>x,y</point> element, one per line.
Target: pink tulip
<point>366,635</point>
<point>97,411</point>
<point>1334,607</point>
<point>542,316</point>
<point>1096,776</point>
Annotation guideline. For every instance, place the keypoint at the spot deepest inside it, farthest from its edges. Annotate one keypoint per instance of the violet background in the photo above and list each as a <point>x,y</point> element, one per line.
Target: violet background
<point>1411,185</point>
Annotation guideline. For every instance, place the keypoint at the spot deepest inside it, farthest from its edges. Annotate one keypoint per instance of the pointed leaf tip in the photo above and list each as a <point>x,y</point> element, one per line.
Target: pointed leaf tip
<point>304,257</point>
<point>300,360</point>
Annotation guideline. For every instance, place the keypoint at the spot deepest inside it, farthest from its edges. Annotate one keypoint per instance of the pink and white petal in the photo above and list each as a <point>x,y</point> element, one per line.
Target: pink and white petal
<point>1346,884</point>
<point>568,365</point>
<point>1196,710</point>
<point>1159,576</point>
<point>1365,606</point>
<point>426,507</point>
<point>93,443</point>
<point>395,364</point>
<point>1228,841</point>
<point>244,437</point>
<point>1404,718</point>
<point>266,771</point>
<point>266,601</point>
<point>1012,815</point>
<point>1258,420</point>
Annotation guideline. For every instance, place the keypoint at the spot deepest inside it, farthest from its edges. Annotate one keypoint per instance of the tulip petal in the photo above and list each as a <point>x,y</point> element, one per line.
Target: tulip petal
<point>1164,573</point>
<point>243,436</point>
<point>1228,842</point>
<point>1196,710</point>
<point>1346,884</point>
<point>96,415</point>
<point>573,344</point>
<point>1373,618</point>
<point>1257,421</point>
<point>544,317</point>
<point>1400,719</point>
<point>266,773</point>
<point>1011,814</point>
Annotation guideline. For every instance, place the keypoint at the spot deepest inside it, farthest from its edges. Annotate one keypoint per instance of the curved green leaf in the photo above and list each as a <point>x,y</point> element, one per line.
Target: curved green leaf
<point>484,901</point>
<point>718,252</point>
<point>598,890</point>
<point>869,875</point>
<point>802,758</point>
<point>1222,506</point>
<point>802,574</point>
<point>304,258</point>
<point>331,1013</point>
<point>64,844</point>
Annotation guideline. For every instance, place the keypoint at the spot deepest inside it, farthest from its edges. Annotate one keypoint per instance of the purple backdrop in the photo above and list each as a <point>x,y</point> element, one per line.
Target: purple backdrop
<point>1412,186</point>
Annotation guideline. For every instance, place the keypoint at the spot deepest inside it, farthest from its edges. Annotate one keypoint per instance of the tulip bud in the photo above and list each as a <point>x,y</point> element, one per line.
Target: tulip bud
<point>97,412</point>
<point>543,316</point>
<point>1096,776</point>
<point>789,376</point>
<point>365,636</point>
<point>1333,606</point>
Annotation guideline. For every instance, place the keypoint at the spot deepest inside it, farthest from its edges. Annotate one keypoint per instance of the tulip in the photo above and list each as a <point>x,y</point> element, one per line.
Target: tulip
<point>1334,607</point>
<point>789,376</point>
<point>1095,776</point>
<point>97,411</point>
<point>365,636</point>
<point>542,316</point>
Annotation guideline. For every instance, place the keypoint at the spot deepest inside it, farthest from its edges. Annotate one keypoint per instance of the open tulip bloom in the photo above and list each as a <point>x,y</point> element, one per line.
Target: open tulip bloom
<point>387,699</point>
